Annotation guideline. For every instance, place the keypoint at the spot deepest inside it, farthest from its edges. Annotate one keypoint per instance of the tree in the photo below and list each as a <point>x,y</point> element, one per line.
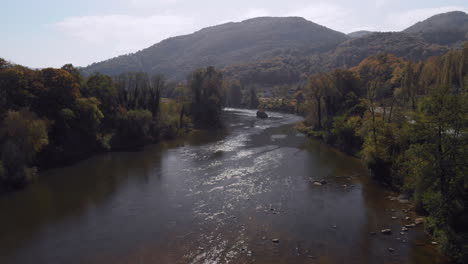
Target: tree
<point>408,84</point>
<point>317,89</point>
<point>234,94</point>
<point>27,131</point>
<point>436,163</point>
<point>253,101</point>
<point>88,115</point>
<point>73,71</point>
<point>60,91</point>
<point>23,135</point>
<point>16,89</point>
<point>133,129</point>
<point>103,88</point>
<point>207,97</point>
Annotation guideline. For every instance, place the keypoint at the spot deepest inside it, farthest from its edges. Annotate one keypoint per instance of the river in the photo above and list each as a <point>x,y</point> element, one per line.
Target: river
<point>213,197</point>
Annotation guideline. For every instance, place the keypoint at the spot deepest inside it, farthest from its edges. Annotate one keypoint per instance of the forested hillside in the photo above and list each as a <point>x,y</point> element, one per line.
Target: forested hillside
<point>293,70</point>
<point>446,29</point>
<point>247,41</point>
<point>268,50</point>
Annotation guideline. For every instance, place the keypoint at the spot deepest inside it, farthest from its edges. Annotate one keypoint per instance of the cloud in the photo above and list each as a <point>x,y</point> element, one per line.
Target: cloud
<point>402,20</point>
<point>380,3</point>
<point>252,13</point>
<point>330,15</point>
<point>149,3</point>
<point>125,33</point>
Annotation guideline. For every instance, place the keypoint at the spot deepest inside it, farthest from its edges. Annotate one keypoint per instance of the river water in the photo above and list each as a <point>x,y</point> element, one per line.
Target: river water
<point>213,197</point>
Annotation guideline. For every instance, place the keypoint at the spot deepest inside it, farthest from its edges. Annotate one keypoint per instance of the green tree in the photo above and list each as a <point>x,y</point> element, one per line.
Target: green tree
<point>103,88</point>
<point>23,135</point>
<point>207,97</point>
<point>60,91</point>
<point>253,101</point>
<point>134,129</point>
<point>317,90</point>
<point>408,84</point>
<point>437,165</point>
<point>234,94</point>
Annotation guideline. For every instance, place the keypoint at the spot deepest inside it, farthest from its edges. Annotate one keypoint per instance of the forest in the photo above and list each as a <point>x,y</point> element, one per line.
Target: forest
<point>53,117</point>
<point>408,122</point>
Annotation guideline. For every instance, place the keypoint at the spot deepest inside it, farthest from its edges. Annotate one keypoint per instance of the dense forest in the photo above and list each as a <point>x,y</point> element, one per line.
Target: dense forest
<point>408,122</point>
<point>52,117</point>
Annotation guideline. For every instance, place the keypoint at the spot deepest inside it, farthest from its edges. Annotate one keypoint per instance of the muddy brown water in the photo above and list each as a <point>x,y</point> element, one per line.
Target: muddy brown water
<point>214,197</point>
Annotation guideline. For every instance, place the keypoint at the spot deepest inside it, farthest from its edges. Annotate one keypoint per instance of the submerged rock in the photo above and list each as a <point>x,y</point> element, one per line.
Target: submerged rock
<point>386,231</point>
<point>418,221</point>
<point>262,114</point>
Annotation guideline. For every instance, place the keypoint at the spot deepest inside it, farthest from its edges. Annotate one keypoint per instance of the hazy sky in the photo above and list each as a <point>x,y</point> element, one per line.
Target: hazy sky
<point>40,33</point>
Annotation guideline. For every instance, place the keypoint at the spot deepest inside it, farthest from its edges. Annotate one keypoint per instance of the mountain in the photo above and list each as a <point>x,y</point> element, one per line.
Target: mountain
<point>360,33</point>
<point>456,20</point>
<point>291,70</point>
<point>409,46</point>
<point>232,43</point>
<point>447,29</point>
<point>270,51</point>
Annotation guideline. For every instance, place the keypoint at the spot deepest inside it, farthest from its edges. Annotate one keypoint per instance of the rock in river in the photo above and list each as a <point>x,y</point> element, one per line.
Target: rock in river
<point>275,240</point>
<point>262,114</point>
<point>386,231</point>
<point>418,221</point>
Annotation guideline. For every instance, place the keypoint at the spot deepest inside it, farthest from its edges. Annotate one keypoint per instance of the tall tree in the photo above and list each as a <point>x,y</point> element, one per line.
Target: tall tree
<point>253,102</point>
<point>207,97</point>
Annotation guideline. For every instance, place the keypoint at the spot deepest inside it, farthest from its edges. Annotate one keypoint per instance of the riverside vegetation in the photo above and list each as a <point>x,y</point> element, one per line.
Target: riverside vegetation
<point>408,122</point>
<point>52,117</point>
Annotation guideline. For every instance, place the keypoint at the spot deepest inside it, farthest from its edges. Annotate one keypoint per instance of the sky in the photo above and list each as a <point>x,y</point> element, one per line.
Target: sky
<point>51,33</point>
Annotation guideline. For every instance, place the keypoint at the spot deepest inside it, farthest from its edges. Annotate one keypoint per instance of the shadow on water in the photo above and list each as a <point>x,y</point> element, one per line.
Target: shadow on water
<point>70,193</point>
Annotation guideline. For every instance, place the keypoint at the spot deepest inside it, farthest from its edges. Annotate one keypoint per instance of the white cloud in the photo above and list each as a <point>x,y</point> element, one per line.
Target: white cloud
<point>138,27</point>
<point>402,20</point>
<point>326,14</point>
<point>125,33</point>
<point>252,13</point>
<point>148,3</point>
<point>330,15</point>
<point>380,3</point>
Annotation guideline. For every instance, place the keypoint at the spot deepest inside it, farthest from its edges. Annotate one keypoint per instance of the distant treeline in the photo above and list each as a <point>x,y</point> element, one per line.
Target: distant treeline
<point>408,122</point>
<point>52,117</point>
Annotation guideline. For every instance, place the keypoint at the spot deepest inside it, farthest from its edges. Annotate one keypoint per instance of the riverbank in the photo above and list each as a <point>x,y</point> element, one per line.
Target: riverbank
<point>240,195</point>
<point>45,163</point>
